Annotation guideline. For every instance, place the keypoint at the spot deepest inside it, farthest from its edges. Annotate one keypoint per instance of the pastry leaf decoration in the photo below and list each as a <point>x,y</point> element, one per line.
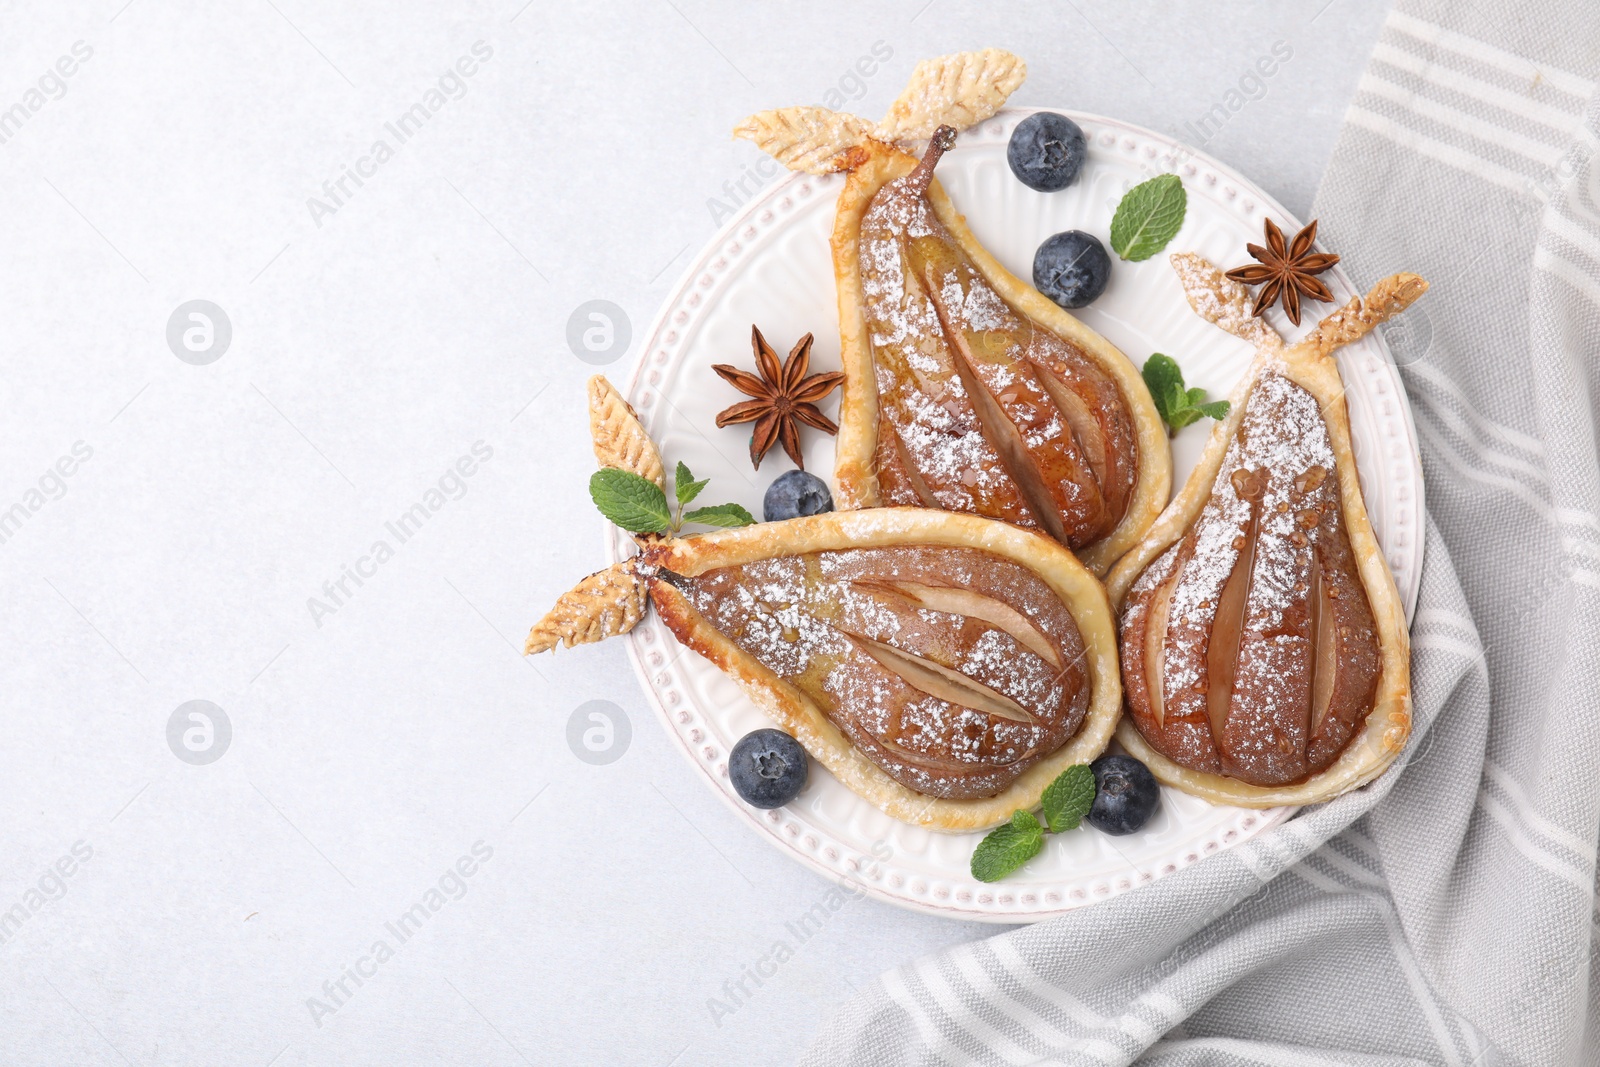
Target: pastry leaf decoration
<point>812,139</point>
<point>1007,847</point>
<point>619,439</point>
<point>1068,799</point>
<point>1178,406</point>
<point>639,505</point>
<point>959,90</point>
<point>1150,215</point>
<point>605,604</point>
<point>1222,301</point>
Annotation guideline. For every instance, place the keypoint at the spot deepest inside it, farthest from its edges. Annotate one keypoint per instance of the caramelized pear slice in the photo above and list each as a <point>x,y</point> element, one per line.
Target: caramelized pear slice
<point>1262,638</point>
<point>979,394</point>
<point>1269,638</point>
<point>929,424</point>
<point>973,605</point>
<point>950,704</point>
<point>1065,431</point>
<point>945,667</point>
<point>978,405</point>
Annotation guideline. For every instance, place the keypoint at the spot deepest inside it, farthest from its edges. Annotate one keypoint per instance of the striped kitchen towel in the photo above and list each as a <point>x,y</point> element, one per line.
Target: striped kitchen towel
<point>1445,914</point>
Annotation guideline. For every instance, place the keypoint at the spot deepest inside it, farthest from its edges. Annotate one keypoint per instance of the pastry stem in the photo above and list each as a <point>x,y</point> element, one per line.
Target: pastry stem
<point>941,142</point>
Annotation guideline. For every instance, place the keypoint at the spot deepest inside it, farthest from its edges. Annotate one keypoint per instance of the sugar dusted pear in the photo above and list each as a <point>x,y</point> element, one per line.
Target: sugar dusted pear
<point>965,389</point>
<point>986,400</point>
<point>953,670</point>
<point>946,667</point>
<point>1250,643</point>
<point>1264,650</point>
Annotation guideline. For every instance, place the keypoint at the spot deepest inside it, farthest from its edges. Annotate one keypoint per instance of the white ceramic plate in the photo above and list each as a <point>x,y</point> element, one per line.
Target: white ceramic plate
<point>770,266</point>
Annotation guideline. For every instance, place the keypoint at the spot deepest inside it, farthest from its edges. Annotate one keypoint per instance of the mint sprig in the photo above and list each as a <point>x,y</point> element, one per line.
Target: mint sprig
<point>1150,215</point>
<point>1008,846</point>
<point>633,502</point>
<point>684,487</point>
<point>725,515</point>
<point>1068,799</point>
<point>639,505</point>
<point>1177,406</point>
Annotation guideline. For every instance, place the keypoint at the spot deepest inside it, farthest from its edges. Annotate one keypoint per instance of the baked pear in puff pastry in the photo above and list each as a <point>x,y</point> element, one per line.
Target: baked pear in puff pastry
<point>1264,646</point>
<point>946,667</point>
<point>965,389</point>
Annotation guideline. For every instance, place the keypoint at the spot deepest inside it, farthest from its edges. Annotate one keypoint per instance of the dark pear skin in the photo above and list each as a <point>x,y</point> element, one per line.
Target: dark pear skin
<point>1249,647</point>
<point>981,408</point>
<point>952,669</point>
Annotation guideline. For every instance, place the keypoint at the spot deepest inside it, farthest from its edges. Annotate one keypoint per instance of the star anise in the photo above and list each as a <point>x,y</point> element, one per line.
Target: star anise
<point>1286,271</point>
<point>785,396</point>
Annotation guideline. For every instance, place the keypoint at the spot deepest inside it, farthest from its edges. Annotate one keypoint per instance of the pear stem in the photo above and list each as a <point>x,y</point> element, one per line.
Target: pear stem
<point>941,142</point>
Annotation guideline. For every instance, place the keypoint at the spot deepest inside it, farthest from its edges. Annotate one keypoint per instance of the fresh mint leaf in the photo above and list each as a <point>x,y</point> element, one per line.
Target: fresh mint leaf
<point>684,485</point>
<point>1007,847</point>
<point>1150,215</point>
<point>1163,378</point>
<point>1177,406</point>
<point>633,502</point>
<point>725,515</point>
<point>639,505</point>
<point>1183,417</point>
<point>1068,799</point>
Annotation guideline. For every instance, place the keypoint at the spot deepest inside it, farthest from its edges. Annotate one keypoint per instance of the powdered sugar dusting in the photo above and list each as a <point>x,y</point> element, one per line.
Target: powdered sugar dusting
<point>919,389</point>
<point>817,619</point>
<point>1283,434</point>
<point>1220,300</point>
<point>1278,486</point>
<point>958,370</point>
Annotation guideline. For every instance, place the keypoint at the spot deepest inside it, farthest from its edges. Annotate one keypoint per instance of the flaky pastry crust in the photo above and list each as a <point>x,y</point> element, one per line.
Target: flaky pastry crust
<point>619,438</point>
<point>605,604</point>
<point>1082,594</point>
<point>1309,364</point>
<point>855,467</point>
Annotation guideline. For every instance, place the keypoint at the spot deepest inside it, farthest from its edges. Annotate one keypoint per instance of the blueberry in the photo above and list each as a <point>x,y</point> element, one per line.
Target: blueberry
<point>1071,268</point>
<point>1125,795</point>
<point>1046,151</point>
<point>767,768</point>
<point>795,493</point>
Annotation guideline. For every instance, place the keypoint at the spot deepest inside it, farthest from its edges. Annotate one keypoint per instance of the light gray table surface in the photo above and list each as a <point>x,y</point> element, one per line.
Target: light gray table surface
<point>155,910</point>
